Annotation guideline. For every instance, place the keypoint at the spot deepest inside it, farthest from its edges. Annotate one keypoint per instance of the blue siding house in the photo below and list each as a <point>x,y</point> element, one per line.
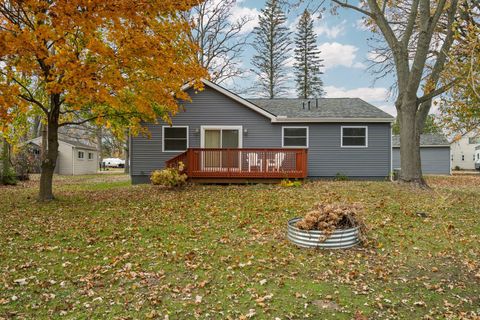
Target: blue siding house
<point>220,135</point>
<point>435,154</point>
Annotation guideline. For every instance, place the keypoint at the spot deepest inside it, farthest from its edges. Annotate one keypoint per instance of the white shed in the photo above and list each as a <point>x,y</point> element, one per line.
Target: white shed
<point>74,158</point>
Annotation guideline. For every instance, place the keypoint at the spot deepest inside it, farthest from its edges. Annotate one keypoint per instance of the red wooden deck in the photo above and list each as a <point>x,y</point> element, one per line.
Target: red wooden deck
<point>243,163</point>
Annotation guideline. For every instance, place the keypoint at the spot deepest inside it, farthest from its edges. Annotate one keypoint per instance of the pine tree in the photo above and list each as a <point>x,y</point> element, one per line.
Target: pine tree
<point>272,45</point>
<point>307,61</point>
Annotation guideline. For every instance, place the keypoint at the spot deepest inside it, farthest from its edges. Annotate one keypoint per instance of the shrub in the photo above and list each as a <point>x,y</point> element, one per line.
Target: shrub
<point>286,183</point>
<point>340,177</point>
<point>329,217</point>
<point>169,177</point>
<point>8,177</point>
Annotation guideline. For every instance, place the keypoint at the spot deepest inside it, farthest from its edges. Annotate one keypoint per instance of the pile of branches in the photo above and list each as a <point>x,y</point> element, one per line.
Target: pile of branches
<point>330,217</point>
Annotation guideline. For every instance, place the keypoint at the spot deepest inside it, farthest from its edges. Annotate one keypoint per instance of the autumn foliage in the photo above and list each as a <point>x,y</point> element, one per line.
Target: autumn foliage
<point>114,62</point>
<point>169,177</point>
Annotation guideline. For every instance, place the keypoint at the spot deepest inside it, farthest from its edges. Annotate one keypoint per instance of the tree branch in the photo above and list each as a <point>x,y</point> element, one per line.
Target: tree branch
<point>349,6</point>
<point>436,92</point>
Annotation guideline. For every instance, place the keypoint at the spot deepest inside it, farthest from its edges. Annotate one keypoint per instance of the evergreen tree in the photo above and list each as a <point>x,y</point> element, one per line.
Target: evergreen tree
<point>272,45</point>
<point>307,61</point>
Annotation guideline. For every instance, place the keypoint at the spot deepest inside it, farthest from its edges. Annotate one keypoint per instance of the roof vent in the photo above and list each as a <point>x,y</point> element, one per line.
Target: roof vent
<point>303,105</point>
<point>316,102</point>
<point>308,104</point>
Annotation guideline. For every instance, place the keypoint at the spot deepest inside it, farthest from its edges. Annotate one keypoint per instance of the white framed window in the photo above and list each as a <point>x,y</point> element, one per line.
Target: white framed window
<point>294,137</point>
<point>90,156</point>
<point>174,138</point>
<point>81,155</point>
<point>354,136</point>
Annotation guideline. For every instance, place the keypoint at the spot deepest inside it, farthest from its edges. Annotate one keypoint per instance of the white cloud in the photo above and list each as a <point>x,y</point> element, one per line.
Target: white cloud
<point>376,96</point>
<point>238,12</point>
<point>388,108</point>
<point>322,28</point>
<point>367,94</point>
<point>337,54</point>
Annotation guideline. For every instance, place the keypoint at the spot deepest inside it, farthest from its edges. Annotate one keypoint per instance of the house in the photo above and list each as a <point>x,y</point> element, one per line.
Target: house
<point>434,153</point>
<point>74,158</point>
<point>463,150</point>
<point>220,135</point>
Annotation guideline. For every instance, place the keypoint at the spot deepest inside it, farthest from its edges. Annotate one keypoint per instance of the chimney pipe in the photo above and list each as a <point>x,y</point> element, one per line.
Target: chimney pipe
<point>308,104</point>
<point>303,105</point>
<point>316,102</point>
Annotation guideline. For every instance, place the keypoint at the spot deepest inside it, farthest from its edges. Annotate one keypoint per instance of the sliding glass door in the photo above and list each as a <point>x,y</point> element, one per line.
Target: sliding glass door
<point>221,138</point>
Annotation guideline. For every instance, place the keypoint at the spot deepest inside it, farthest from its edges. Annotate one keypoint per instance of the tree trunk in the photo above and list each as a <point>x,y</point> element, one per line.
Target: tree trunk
<point>43,147</point>
<point>410,161</point>
<point>50,160</point>
<point>5,159</point>
<point>127,153</point>
<point>100,147</point>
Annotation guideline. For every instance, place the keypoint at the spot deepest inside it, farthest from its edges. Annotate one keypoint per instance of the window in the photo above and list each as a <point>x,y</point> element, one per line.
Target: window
<point>474,140</point>
<point>295,137</point>
<point>463,157</point>
<point>354,137</point>
<point>90,156</point>
<point>175,139</point>
<point>81,155</point>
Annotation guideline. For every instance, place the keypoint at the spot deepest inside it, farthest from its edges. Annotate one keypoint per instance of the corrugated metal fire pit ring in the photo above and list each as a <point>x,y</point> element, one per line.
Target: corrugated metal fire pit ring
<point>339,239</point>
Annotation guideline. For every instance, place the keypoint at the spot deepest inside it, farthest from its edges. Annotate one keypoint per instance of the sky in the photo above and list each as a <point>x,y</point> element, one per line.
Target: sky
<point>342,39</point>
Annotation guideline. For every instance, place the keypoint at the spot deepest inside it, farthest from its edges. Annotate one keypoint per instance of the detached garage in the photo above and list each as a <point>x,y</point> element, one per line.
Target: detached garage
<point>434,152</point>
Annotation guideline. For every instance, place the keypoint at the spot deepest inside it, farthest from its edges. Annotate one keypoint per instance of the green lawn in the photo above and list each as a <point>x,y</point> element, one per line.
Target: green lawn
<point>106,249</point>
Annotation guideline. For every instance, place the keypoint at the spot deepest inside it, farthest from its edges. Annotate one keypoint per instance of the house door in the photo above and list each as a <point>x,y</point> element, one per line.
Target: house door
<point>221,138</point>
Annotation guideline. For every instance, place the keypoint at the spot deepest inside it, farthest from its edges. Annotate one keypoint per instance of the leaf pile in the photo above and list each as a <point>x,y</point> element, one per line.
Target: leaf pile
<point>330,217</point>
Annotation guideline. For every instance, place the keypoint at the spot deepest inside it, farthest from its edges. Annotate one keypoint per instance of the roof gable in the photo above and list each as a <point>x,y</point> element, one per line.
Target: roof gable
<point>296,110</point>
<point>235,97</point>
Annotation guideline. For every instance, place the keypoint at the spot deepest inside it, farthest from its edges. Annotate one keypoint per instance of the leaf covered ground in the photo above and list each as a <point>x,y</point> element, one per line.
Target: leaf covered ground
<point>106,249</point>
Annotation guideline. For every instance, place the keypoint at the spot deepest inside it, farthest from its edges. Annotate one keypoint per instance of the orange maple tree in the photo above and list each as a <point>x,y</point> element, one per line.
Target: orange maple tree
<point>93,60</point>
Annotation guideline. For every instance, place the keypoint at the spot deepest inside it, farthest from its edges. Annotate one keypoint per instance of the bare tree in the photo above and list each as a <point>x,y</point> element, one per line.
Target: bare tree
<point>220,36</point>
<point>410,29</point>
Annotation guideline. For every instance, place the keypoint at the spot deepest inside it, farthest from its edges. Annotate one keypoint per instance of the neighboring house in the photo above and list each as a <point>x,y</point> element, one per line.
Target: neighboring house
<point>434,153</point>
<point>74,158</point>
<point>463,150</point>
<point>220,135</point>
<point>477,158</point>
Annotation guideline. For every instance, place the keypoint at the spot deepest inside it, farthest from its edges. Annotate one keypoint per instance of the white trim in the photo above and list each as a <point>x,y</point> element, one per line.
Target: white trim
<point>78,155</point>
<point>203,128</point>
<point>296,127</point>
<point>88,157</point>
<point>347,127</point>
<point>235,97</point>
<point>280,119</point>
<point>163,138</point>
<point>391,151</point>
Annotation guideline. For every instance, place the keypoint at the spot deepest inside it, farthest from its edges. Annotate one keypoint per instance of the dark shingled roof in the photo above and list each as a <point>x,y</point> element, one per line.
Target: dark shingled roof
<point>428,139</point>
<point>327,108</point>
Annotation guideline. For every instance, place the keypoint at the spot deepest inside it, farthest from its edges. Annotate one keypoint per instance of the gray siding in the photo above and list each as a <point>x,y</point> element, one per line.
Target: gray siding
<point>435,160</point>
<point>326,157</point>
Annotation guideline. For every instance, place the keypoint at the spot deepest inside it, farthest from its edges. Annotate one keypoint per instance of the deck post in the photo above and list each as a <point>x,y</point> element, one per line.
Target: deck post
<point>189,162</point>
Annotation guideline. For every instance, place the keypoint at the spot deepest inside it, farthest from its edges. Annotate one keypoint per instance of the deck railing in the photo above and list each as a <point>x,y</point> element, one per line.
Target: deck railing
<point>243,163</point>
